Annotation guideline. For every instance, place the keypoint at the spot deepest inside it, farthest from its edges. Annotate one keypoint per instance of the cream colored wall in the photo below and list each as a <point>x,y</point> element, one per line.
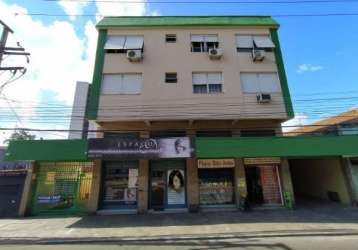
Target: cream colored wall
<point>314,177</point>
<point>175,101</point>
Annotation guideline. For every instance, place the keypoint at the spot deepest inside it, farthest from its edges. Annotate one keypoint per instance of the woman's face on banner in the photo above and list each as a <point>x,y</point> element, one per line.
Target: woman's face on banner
<point>176,182</point>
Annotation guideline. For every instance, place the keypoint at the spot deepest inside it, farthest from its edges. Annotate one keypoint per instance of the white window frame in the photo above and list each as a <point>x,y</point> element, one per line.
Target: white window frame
<point>207,82</point>
<point>252,38</point>
<point>123,46</point>
<point>203,40</point>
<point>260,84</point>
<point>120,89</point>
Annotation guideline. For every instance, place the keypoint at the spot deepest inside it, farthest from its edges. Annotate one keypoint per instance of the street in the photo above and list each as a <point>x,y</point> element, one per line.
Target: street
<point>330,242</point>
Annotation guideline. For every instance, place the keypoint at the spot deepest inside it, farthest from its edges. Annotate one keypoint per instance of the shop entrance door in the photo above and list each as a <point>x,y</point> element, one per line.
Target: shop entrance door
<point>167,184</point>
<point>158,191</point>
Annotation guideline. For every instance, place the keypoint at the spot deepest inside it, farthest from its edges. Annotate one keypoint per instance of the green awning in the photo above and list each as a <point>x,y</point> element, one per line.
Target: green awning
<point>303,146</point>
<point>47,150</point>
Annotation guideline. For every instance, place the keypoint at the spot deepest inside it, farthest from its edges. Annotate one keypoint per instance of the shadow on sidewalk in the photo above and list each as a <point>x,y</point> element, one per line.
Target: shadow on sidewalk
<point>216,218</point>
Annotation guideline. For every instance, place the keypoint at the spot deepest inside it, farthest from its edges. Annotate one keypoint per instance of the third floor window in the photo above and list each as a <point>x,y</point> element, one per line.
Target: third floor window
<point>121,43</point>
<point>202,43</point>
<point>127,84</point>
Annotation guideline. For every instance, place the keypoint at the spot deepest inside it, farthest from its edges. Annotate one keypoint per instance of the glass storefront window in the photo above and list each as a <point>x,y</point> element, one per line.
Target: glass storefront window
<point>120,182</point>
<point>216,186</point>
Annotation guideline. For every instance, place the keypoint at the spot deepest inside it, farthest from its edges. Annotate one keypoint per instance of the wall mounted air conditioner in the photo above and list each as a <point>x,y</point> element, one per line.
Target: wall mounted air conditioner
<point>263,98</point>
<point>134,55</point>
<point>215,54</point>
<point>258,55</point>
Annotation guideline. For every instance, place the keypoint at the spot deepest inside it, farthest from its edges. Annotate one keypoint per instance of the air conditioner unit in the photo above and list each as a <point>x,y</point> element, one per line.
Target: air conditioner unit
<point>263,98</point>
<point>215,54</point>
<point>258,55</point>
<point>134,55</point>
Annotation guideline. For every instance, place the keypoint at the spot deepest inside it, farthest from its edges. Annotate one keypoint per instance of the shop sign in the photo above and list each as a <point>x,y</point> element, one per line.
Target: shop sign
<point>216,163</point>
<point>139,148</point>
<point>54,199</point>
<point>263,160</point>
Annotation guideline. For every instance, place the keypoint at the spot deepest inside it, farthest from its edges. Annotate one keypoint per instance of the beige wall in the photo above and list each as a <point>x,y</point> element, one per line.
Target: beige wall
<point>315,177</point>
<point>160,100</point>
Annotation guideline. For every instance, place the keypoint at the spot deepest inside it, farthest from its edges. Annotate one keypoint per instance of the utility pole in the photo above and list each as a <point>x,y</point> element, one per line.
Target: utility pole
<point>15,51</point>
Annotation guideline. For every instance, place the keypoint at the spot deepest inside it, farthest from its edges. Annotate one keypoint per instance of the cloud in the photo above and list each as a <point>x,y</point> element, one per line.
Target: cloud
<point>295,123</point>
<point>73,8</point>
<point>59,58</point>
<point>121,9</point>
<point>308,68</point>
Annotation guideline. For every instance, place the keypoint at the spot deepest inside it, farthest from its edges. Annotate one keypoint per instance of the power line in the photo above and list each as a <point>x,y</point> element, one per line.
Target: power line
<point>273,15</point>
<point>208,2</point>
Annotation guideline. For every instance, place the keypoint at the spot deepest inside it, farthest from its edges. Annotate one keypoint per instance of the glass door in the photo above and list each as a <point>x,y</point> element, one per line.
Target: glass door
<point>157,189</point>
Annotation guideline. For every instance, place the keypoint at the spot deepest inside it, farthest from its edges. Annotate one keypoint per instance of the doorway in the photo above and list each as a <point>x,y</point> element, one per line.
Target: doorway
<point>263,185</point>
<point>167,185</point>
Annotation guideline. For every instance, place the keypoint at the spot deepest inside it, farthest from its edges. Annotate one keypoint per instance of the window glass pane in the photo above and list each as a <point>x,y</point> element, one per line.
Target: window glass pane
<point>170,38</point>
<point>263,42</point>
<point>197,38</point>
<point>132,83</point>
<point>134,42</point>
<point>244,41</point>
<point>211,38</point>
<point>214,78</point>
<point>212,45</point>
<point>249,83</point>
<point>200,89</point>
<point>197,46</point>
<point>269,83</point>
<point>215,88</point>
<point>111,84</point>
<point>199,78</point>
<point>115,42</point>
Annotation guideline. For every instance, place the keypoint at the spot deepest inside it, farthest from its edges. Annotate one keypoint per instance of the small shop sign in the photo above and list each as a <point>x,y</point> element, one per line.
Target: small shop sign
<point>263,160</point>
<point>54,199</point>
<point>139,148</point>
<point>216,163</point>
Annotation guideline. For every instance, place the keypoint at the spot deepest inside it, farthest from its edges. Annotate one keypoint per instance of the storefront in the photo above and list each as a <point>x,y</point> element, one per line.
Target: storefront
<point>119,189</point>
<point>216,182</point>
<point>162,182</point>
<point>263,181</point>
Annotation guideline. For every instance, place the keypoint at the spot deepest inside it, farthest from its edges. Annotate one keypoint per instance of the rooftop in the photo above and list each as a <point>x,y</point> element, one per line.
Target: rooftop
<point>163,21</point>
<point>346,117</point>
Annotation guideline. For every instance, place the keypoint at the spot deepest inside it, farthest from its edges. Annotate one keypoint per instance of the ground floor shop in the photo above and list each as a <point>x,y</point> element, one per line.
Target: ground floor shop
<point>144,175</point>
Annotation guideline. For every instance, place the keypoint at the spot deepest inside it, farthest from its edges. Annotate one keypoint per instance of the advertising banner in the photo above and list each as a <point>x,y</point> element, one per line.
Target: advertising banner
<point>176,187</point>
<point>139,148</point>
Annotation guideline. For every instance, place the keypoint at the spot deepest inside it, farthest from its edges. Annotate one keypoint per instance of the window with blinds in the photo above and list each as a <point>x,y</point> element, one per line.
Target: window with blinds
<point>207,82</point>
<point>122,43</point>
<point>260,83</point>
<point>122,83</point>
<point>202,43</point>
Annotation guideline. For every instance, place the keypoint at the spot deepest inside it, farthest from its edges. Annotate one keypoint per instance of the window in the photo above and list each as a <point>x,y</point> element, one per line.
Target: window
<point>248,42</point>
<point>171,78</point>
<point>202,43</point>
<point>204,83</point>
<point>260,83</point>
<point>217,133</point>
<point>122,83</point>
<point>120,43</point>
<point>170,38</point>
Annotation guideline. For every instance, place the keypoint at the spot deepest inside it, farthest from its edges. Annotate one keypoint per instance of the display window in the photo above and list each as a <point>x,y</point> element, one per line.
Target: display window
<point>167,184</point>
<point>216,186</point>
<point>120,184</point>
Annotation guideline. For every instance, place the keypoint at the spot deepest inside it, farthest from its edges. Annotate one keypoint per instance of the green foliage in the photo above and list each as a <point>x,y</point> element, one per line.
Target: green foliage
<point>20,135</point>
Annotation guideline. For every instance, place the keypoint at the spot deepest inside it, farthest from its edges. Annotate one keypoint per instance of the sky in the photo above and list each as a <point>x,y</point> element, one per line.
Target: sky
<point>320,54</point>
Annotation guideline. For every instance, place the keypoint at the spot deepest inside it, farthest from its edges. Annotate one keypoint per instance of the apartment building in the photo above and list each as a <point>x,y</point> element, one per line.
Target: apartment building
<point>182,114</point>
<point>183,77</point>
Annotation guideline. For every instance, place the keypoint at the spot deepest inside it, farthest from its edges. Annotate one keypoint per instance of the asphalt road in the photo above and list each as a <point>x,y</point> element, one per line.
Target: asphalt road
<point>331,242</point>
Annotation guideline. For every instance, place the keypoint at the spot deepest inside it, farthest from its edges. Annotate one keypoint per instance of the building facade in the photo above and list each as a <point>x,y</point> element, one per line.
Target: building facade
<point>183,114</point>
<point>188,77</point>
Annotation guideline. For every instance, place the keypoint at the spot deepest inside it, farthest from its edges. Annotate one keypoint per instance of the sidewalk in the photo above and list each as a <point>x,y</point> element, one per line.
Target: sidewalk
<point>269,223</point>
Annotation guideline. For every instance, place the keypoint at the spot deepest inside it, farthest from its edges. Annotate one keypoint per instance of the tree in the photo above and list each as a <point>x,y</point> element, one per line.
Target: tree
<point>20,135</point>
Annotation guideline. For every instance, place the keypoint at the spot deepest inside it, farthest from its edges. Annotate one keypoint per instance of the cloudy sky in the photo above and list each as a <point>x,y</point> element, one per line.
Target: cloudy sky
<point>320,54</point>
